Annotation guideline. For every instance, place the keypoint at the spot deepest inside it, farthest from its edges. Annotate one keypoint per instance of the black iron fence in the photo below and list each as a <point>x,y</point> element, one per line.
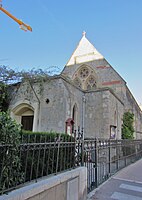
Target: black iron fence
<point>103,158</point>
<point>33,160</point>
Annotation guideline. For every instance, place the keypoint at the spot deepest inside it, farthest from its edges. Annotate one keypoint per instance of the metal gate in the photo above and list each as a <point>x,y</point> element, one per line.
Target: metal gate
<point>103,158</point>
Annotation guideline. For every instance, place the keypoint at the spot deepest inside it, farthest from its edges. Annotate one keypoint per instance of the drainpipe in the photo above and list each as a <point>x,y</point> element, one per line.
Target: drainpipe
<point>37,113</point>
<point>83,113</point>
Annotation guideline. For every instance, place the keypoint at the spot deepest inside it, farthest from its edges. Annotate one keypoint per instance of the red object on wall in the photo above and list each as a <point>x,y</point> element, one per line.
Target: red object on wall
<point>103,67</point>
<point>69,126</point>
<point>112,83</point>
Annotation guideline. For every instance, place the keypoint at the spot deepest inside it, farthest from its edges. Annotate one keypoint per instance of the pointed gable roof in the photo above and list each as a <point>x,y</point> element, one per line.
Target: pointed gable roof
<point>84,52</point>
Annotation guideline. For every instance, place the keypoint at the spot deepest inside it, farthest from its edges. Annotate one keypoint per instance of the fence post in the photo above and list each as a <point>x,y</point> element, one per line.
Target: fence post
<point>58,151</point>
<point>109,158</point>
<point>125,153</point>
<point>117,155</point>
<point>96,163</point>
<point>82,147</point>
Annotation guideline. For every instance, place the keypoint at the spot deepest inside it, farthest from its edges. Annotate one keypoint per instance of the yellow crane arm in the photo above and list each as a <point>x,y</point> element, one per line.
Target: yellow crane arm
<point>23,26</point>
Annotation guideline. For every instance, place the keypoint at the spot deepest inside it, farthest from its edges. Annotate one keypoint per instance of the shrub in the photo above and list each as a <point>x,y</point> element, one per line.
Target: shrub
<point>46,153</point>
<point>26,155</point>
<point>4,100</point>
<point>37,137</point>
<point>10,167</point>
<point>127,126</point>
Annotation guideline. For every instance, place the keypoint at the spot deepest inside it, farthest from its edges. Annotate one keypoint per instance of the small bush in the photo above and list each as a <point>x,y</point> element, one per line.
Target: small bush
<point>10,166</point>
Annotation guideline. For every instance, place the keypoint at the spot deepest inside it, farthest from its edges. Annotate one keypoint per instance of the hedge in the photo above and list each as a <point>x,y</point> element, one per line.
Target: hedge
<point>27,155</point>
<point>40,137</point>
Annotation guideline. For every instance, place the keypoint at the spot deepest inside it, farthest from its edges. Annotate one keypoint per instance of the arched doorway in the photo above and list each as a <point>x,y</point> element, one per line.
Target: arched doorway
<point>24,115</point>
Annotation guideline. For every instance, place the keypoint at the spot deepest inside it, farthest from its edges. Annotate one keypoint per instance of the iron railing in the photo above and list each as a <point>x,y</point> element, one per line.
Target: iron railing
<point>103,158</point>
<point>35,160</point>
<point>42,157</point>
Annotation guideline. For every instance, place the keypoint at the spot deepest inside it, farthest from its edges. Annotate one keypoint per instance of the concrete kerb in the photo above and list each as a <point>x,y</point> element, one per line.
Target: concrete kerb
<point>32,189</point>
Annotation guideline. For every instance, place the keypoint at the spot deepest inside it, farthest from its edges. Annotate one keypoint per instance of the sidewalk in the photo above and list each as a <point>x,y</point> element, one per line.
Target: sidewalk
<point>125,185</point>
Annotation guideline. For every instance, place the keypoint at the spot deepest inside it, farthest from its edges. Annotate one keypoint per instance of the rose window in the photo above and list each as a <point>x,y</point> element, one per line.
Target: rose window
<point>84,72</point>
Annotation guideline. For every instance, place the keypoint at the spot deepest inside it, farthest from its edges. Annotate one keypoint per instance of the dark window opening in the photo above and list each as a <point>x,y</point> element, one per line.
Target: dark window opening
<point>47,101</point>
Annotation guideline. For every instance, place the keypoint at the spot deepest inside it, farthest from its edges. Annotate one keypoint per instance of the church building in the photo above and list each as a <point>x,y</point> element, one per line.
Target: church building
<point>88,93</point>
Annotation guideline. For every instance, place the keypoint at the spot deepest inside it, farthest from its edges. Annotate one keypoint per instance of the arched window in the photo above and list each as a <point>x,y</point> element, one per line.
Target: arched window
<point>77,82</point>
<point>91,83</point>
<point>115,118</point>
<point>85,78</point>
<point>74,115</point>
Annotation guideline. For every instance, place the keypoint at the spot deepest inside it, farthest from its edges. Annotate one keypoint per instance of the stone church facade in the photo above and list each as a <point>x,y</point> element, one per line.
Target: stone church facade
<point>88,93</point>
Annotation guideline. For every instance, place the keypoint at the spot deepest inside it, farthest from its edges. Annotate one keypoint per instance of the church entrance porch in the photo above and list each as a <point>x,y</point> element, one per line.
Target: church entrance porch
<point>24,115</point>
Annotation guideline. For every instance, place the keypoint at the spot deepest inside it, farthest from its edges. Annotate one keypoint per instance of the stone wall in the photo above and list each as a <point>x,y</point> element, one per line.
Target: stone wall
<point>52,103</point>
<point>131,105</point>
<point>102,109</point>
<point>107,76</point>
<point>71,185</point>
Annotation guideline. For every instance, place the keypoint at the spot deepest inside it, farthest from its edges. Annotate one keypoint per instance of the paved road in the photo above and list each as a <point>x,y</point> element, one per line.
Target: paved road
<point>125,185</point>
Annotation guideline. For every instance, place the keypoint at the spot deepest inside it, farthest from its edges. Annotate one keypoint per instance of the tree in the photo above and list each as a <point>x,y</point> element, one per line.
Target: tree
<point>127,126</point>
<point>9,77</point>
<point>4,100</point>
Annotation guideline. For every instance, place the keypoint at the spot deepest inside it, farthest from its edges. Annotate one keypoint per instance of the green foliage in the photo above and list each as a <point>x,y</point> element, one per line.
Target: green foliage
<point>4,100</point>
<point>37,137</point>
<point>47,155</point>
<point>9,130</point>
<point>10,167</point>
<point>127,126</point>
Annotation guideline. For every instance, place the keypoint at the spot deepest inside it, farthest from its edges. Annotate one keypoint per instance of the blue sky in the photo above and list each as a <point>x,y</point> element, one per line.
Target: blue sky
<point>114,27</point>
